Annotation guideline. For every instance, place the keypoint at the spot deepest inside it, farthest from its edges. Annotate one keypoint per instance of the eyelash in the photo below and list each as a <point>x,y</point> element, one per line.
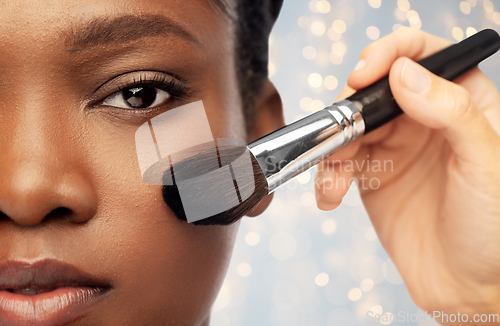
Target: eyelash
<point>158,81</point>
<point>174,87</point>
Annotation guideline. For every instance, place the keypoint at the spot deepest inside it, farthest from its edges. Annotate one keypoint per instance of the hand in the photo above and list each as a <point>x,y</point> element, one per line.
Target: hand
<point>436,209</point>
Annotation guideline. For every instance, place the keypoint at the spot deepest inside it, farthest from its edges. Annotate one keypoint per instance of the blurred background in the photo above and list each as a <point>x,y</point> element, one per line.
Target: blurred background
<point>296,265</point>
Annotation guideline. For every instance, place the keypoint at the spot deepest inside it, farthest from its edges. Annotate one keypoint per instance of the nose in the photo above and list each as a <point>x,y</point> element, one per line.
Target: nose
<point>31,194</point>
<point>42,179</point>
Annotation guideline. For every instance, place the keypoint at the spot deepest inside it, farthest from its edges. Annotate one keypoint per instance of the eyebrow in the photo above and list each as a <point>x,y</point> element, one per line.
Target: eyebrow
<point>122,29</point>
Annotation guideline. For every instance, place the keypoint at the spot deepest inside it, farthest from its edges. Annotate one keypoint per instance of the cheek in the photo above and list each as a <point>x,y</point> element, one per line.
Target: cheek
<point>162,267</point>
<point>226,123</point>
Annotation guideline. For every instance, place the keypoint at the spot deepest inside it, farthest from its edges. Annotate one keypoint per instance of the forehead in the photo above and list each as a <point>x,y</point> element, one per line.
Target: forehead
<point>47,24</point>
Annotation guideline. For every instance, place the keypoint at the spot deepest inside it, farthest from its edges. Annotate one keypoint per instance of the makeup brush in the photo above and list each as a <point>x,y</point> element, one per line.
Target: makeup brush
<point>285,153</point>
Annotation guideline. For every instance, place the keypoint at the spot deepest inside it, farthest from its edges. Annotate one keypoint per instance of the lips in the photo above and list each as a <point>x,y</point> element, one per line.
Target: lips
<point>46,293</point>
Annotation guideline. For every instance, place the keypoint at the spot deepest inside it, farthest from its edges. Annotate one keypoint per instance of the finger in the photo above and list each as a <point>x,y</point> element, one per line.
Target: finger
<point>345,93</point>
<point>331,184</point>
<point>344,154</point>
<point>443,105</point>
<point>484,95</point>
<point>483,91</point>
<point>377,58</point>
<point>379,135</point>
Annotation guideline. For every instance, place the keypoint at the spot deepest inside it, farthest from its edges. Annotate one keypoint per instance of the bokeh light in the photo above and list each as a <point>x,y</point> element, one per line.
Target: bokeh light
<point>318,28</point>
<point>321,279</point>
<point>304,178</point>
<point>309,52</point>
<point>373,32</point>
<point>355,294</point>
<point>414,19</point>
<point>404,5</point>
<point>465,7</point>
<point>317,105</point>
<point>329,226</point>
<point>470,31</point>
<point>400,15</point>
<point>339,47</point>
<point>339,26</point>
<point>458,33</point>
<point>271,68</point>
<point>308,199</point>
<point>336,58</point>
<point>334,35</point>
<point>375,3</point>
<point>252,238</point>
<point>331,82</point>
<point>315,80</point>
<point>306,103</point>
<point>377,310</point>
<point>323,6</point>
<point>488,6</point>
<point>396,27</point>
<point>496,18</point>
<point>367,285</point>
<point>244,269</point>
<point>412,16</point>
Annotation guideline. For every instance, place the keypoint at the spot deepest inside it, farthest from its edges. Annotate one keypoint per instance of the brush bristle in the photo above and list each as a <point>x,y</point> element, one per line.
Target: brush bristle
<point>199,161</point>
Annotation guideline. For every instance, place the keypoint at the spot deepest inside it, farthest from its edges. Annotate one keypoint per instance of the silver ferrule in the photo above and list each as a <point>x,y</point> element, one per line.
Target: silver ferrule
<point>293,149</point>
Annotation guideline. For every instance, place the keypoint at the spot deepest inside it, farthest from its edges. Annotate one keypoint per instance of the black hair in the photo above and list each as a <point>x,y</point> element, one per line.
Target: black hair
<point>253,21</point>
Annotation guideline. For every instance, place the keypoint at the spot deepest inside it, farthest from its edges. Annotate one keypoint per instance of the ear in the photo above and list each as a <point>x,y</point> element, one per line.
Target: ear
<point>269,117</point>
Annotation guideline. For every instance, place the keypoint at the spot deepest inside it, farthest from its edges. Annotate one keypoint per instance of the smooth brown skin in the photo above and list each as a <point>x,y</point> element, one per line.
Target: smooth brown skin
<point>59,152</point>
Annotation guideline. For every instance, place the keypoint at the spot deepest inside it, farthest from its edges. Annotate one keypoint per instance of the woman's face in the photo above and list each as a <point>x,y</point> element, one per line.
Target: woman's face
<point>70,185</point>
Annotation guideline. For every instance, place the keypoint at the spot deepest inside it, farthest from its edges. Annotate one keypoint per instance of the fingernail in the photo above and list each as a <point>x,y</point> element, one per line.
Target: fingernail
<point>326,205</point>
<point>414,77</point>
<point>360,65</point>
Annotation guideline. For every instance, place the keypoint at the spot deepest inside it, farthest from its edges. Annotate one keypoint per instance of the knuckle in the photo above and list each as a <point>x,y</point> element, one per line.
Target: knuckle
<point>368,49</point>
<point>462,105</point>
<point>407,31</point>
<point>393,41</point>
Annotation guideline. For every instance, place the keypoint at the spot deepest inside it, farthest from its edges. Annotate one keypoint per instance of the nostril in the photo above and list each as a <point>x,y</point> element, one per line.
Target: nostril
<point>59,213</point>
<point>3,216</point>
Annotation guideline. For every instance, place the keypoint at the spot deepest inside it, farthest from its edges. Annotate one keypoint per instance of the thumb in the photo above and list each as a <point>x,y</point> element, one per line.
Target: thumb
<point>443,105</point>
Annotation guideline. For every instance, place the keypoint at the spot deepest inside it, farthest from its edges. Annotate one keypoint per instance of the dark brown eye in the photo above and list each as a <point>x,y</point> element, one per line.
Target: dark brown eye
<point>137,98</point>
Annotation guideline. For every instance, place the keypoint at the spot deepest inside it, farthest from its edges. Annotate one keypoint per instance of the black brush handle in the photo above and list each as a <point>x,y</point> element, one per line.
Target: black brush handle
<point>377,102</point>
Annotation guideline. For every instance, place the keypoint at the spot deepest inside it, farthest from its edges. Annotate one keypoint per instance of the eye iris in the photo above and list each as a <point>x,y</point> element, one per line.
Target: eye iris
<point>139,97</point>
